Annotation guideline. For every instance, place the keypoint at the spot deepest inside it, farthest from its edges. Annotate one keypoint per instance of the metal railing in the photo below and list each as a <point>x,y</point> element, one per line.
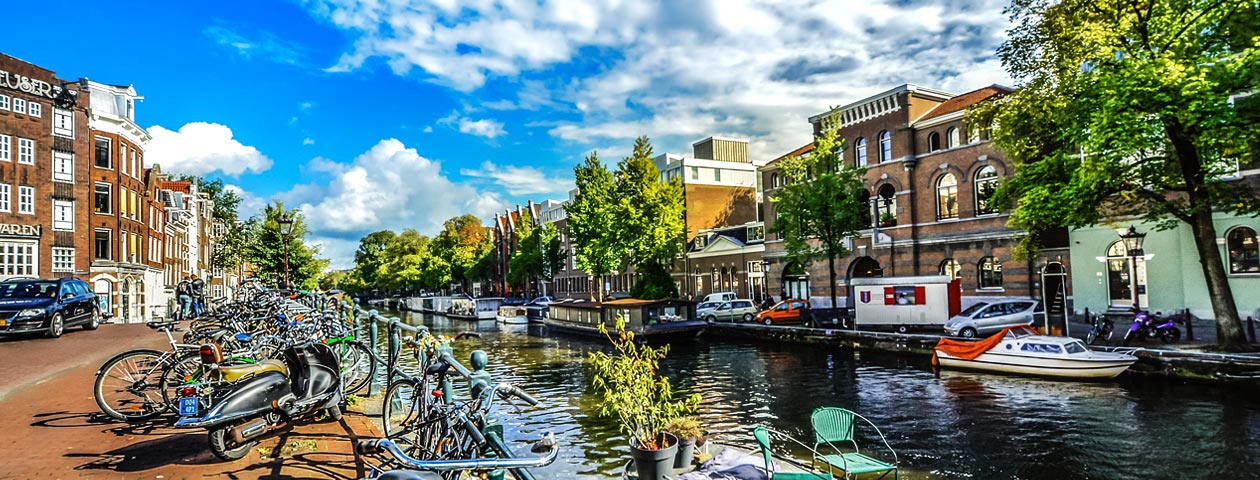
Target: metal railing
<point>371,321</point>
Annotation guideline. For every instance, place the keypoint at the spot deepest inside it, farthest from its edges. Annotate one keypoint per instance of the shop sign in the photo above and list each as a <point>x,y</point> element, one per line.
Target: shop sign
<point>22,230</point>
<point>27,84</point>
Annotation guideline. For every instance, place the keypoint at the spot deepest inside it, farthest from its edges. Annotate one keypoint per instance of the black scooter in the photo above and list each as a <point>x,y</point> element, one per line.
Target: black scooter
<point>267,401</point>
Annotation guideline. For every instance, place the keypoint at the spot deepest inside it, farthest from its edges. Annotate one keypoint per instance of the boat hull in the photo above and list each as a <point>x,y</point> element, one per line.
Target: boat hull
<point>1045,367</point>
<point>512,320</point>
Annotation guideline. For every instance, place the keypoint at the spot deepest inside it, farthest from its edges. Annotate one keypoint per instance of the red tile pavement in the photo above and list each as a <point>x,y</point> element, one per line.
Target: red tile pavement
<point>51,427</point>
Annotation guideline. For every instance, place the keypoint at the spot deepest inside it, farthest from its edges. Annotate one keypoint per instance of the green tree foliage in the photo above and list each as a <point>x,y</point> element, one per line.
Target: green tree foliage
<point>265,249</point>
<point>821,205</point>
<point>593,221</point>
<point>227,248</point>
<point>1131,108</point>
<point>553,257</point>
<point>370,255</point>
<point>465,244</point>
<point>403,262</point>
<point>526,263</point>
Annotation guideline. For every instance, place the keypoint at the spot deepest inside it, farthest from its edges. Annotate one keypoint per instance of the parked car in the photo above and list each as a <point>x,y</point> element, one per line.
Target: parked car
<point>787,311</point>
<point>985,318</point>
<point>544,301</point>
<point>732,311</point>
<point>703,308</point>
<point>47,306</point>
<point>719,297</point>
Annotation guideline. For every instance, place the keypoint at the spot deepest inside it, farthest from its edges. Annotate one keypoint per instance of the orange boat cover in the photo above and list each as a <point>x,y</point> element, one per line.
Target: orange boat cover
<point>967,349</point>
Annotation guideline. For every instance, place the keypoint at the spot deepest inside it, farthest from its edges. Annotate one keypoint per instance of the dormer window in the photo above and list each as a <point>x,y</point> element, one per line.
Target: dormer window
<point>701,241</point>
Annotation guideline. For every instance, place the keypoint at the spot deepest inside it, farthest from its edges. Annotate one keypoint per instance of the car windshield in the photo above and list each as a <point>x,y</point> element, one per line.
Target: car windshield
<point>28,290</point>
<point>973,309</point>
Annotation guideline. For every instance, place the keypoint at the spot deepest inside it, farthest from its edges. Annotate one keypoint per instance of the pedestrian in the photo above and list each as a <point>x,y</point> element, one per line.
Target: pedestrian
<point>183,291</point>
<point>198,296</point>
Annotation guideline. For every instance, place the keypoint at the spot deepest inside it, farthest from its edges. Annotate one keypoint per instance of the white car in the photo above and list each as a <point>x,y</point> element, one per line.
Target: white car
<point>985,318</point>
<point>543,301</point>
<point>705,307</point>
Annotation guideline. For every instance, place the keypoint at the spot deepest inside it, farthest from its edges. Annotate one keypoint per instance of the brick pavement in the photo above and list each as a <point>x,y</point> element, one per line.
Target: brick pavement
<point>51,427</point>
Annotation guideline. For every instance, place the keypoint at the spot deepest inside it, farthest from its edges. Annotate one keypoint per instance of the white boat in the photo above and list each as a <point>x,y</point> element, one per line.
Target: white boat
<point>1021,350</point>
<point>514,315</point>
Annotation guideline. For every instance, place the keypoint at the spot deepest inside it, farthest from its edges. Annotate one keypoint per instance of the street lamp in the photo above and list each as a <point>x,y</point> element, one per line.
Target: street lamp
<point>765,279</point>
<point>286,228</point>
<point>1133,245</point>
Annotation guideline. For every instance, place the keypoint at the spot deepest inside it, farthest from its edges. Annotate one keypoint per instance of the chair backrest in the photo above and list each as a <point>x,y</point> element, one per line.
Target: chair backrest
<point>832,424</point>
<point>763,439</point>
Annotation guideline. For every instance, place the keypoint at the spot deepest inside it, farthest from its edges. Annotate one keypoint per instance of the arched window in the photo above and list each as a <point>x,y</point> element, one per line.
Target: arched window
<point>990,273</point>
<point>885,146</point>
<point>859,151</point>
<point>973,133</point>
<point>947,197</point>
<point>774,180</point>
<point>887,205</point>
<point>985,184</point>
<point>952,268</point>
<point>934,142</point>
<point>1244,257</point>
<point>951,137</point>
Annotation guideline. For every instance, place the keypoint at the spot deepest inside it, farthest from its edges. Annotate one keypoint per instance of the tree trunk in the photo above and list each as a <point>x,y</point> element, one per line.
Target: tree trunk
<point>1228,324</point>
<point>831,266</point>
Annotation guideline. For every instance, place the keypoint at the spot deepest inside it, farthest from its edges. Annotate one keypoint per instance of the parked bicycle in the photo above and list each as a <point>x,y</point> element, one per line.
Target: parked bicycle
<point>1102,327</point>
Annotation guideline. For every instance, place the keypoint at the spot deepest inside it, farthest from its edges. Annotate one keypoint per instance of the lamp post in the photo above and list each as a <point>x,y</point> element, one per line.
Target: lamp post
<point>1133,245</point>
<point>286,228</point>
<point>765,279</point>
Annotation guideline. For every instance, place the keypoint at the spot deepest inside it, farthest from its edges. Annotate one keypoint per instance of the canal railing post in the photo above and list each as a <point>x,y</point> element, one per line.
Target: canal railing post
<point>373,336</point>
<point>395,346</point>
<point>1189,325</point>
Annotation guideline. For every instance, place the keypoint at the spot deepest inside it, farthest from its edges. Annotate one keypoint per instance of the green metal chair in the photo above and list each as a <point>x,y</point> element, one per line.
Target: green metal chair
<point>834,425</point>
<point>762,435</point>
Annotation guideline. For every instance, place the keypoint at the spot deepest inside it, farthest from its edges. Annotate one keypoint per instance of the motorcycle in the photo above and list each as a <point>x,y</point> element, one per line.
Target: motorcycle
<point>1152,327</point>
<point>266,399</point>
<point>1103,327</point>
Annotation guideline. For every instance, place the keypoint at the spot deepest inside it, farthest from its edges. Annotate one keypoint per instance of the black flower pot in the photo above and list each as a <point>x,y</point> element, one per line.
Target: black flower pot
<point>686,452</point>
<point>655,464</point>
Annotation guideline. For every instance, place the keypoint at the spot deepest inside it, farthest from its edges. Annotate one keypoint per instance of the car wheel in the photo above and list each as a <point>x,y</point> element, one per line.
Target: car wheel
<point>769,322</point>
<point>967,333</point>
<point>710,319</point>
<point>748,317</point>
<point>94,321</point>
<point>56,326</point>
<point>902,329</point>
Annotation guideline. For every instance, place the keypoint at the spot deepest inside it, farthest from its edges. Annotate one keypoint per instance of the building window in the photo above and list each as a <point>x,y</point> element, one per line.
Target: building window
<point>885,146</point>
<point>717,174</point>
<point>6,196</point>
<point>63,259</point>
<point>1244,257</point>
<point>103,150</point>
<point>859,152</point>
<point>63,215</point>
<point>985,184</point>
<point>122,157</point>
<point>101,241</point>
<point>951,137</point>
<point>18,259</point>
<point>990,273</point>
<point>26,151</point>
<point>26,200</point>
<point>6,148</point>
<point>63,123</point>
<point>774,180</point>
<point>947,197</point>
<point>952,268</point>
<point>37,110</point>
<point>934,142</point>
<point>4,102</point>
<point>103,202</point>
<point>19,105</point>
<point>755,232</point>
<point>63,167</point>
<point>701,241</point>
<point>695,173</point>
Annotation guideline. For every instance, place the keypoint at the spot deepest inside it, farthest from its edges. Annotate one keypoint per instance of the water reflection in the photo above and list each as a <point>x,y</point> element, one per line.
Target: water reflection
<point>960,425</point>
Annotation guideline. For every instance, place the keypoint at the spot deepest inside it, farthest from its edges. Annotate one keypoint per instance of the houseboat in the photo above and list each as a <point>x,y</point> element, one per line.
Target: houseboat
<point>648,319</point>
<point>483,308</point>
<point>512,314</point>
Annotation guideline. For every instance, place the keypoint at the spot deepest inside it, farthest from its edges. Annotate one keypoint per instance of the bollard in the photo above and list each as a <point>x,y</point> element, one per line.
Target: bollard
<point>1189,325</point>
<point>395,346</point>
<point>1251,328</point>
<point>373,335</point>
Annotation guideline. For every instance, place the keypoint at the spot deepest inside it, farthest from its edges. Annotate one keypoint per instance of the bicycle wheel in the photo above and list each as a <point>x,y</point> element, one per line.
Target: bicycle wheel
<point>129,386</point>
<point>400,408</point>
<point>357,366</point>
<point>185,370</point>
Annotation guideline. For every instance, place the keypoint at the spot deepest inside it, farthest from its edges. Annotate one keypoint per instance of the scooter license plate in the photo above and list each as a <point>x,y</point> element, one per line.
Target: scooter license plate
<point>187,406</point>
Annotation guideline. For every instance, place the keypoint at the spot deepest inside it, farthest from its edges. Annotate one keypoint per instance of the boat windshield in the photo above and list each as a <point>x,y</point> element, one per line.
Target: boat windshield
<point>1075,347</point>
<point>1041,348</point>
<point>1019,332</point>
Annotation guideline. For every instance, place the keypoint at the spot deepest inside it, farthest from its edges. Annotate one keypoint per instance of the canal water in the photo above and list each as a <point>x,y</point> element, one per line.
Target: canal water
<point>958,425</point>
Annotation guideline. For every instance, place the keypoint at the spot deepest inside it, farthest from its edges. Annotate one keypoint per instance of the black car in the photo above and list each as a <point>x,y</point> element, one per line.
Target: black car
<point>47,305</point>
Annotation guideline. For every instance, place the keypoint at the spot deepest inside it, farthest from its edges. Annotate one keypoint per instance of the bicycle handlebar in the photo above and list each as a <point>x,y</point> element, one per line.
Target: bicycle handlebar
<point>378,446</point>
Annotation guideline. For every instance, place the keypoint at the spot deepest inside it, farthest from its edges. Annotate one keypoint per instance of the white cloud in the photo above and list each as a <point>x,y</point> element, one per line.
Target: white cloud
<point>388,187</point>
<point>265,45</point>
<point>482,128</point>
<point>520,180</point>
<point>250,204</point>
<point>679,71</point>
<point>308,141</point>
<point>200,148</point>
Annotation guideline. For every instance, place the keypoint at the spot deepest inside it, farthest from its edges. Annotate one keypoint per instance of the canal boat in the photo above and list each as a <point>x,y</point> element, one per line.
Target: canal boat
<point>512,314</point>
<point>1021,350</point>
<point>536,313</point>
<point>648,319</point>
<point>475,309</point>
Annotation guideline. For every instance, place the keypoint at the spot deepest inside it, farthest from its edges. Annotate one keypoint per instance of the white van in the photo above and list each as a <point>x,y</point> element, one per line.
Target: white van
<point>719,297</point>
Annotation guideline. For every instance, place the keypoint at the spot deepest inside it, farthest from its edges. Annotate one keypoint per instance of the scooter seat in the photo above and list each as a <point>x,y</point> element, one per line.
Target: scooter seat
<point>232,374</point>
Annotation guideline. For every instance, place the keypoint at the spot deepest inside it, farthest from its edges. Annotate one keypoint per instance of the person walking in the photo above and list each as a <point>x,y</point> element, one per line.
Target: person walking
<point>183,291</point>
<point>198,296</point>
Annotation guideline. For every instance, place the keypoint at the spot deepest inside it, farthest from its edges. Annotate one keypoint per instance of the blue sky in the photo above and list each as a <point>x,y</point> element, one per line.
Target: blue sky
<point>382,114</point>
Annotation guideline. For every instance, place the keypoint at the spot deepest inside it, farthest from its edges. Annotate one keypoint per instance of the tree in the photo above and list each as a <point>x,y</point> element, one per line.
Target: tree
<point>370,255</point>
<point>229,246</point>
<point>593,221</point>
<point>821,205</point>
<point>464,243</point>
<point>265,248</point>
<point>1137,108</point>
<point>526,263</point>
<point>403,261</point>
<point>651,221</point>
<point>553,256</point>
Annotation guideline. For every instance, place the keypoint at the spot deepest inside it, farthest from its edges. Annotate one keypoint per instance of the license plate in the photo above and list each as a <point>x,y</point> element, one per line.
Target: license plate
<point>187,406</point>
<point>4,323</point>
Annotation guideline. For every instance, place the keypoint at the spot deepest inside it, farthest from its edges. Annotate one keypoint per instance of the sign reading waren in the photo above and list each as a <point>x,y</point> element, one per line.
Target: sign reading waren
<point>23,230</point>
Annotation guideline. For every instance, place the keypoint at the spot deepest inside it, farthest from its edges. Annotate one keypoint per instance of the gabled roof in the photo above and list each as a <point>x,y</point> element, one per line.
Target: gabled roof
<point>962,102</point>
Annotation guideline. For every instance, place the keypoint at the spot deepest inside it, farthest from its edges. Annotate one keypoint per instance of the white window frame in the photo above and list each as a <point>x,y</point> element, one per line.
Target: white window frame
<point>63,122</point>
<point>36,109</point>
<point>6,198</point>
<point>26,200</point>
<point>62,259</point>
<point>6,148</point>
<point>19,105</point>
<point>109,202</point>
<point>58,175</point>
<point>19,250</point>
<point>63,215</point>
<point>26,151</point>
<point>4,102</point>
<point>109,243</point>
<point>109,154</point>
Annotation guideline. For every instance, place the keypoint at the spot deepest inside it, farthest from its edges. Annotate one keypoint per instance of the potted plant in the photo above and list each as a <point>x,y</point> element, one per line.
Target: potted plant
<point>689,434</point>
<point>887,219</point>
<point>642,400</point>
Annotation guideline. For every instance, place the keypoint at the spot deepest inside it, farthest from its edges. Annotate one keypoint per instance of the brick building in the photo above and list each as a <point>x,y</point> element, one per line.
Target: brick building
<point>44,154</point>
<point>930,175</point>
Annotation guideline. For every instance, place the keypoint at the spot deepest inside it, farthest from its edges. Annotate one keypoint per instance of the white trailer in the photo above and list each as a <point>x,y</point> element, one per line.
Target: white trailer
<point>905,303</point>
